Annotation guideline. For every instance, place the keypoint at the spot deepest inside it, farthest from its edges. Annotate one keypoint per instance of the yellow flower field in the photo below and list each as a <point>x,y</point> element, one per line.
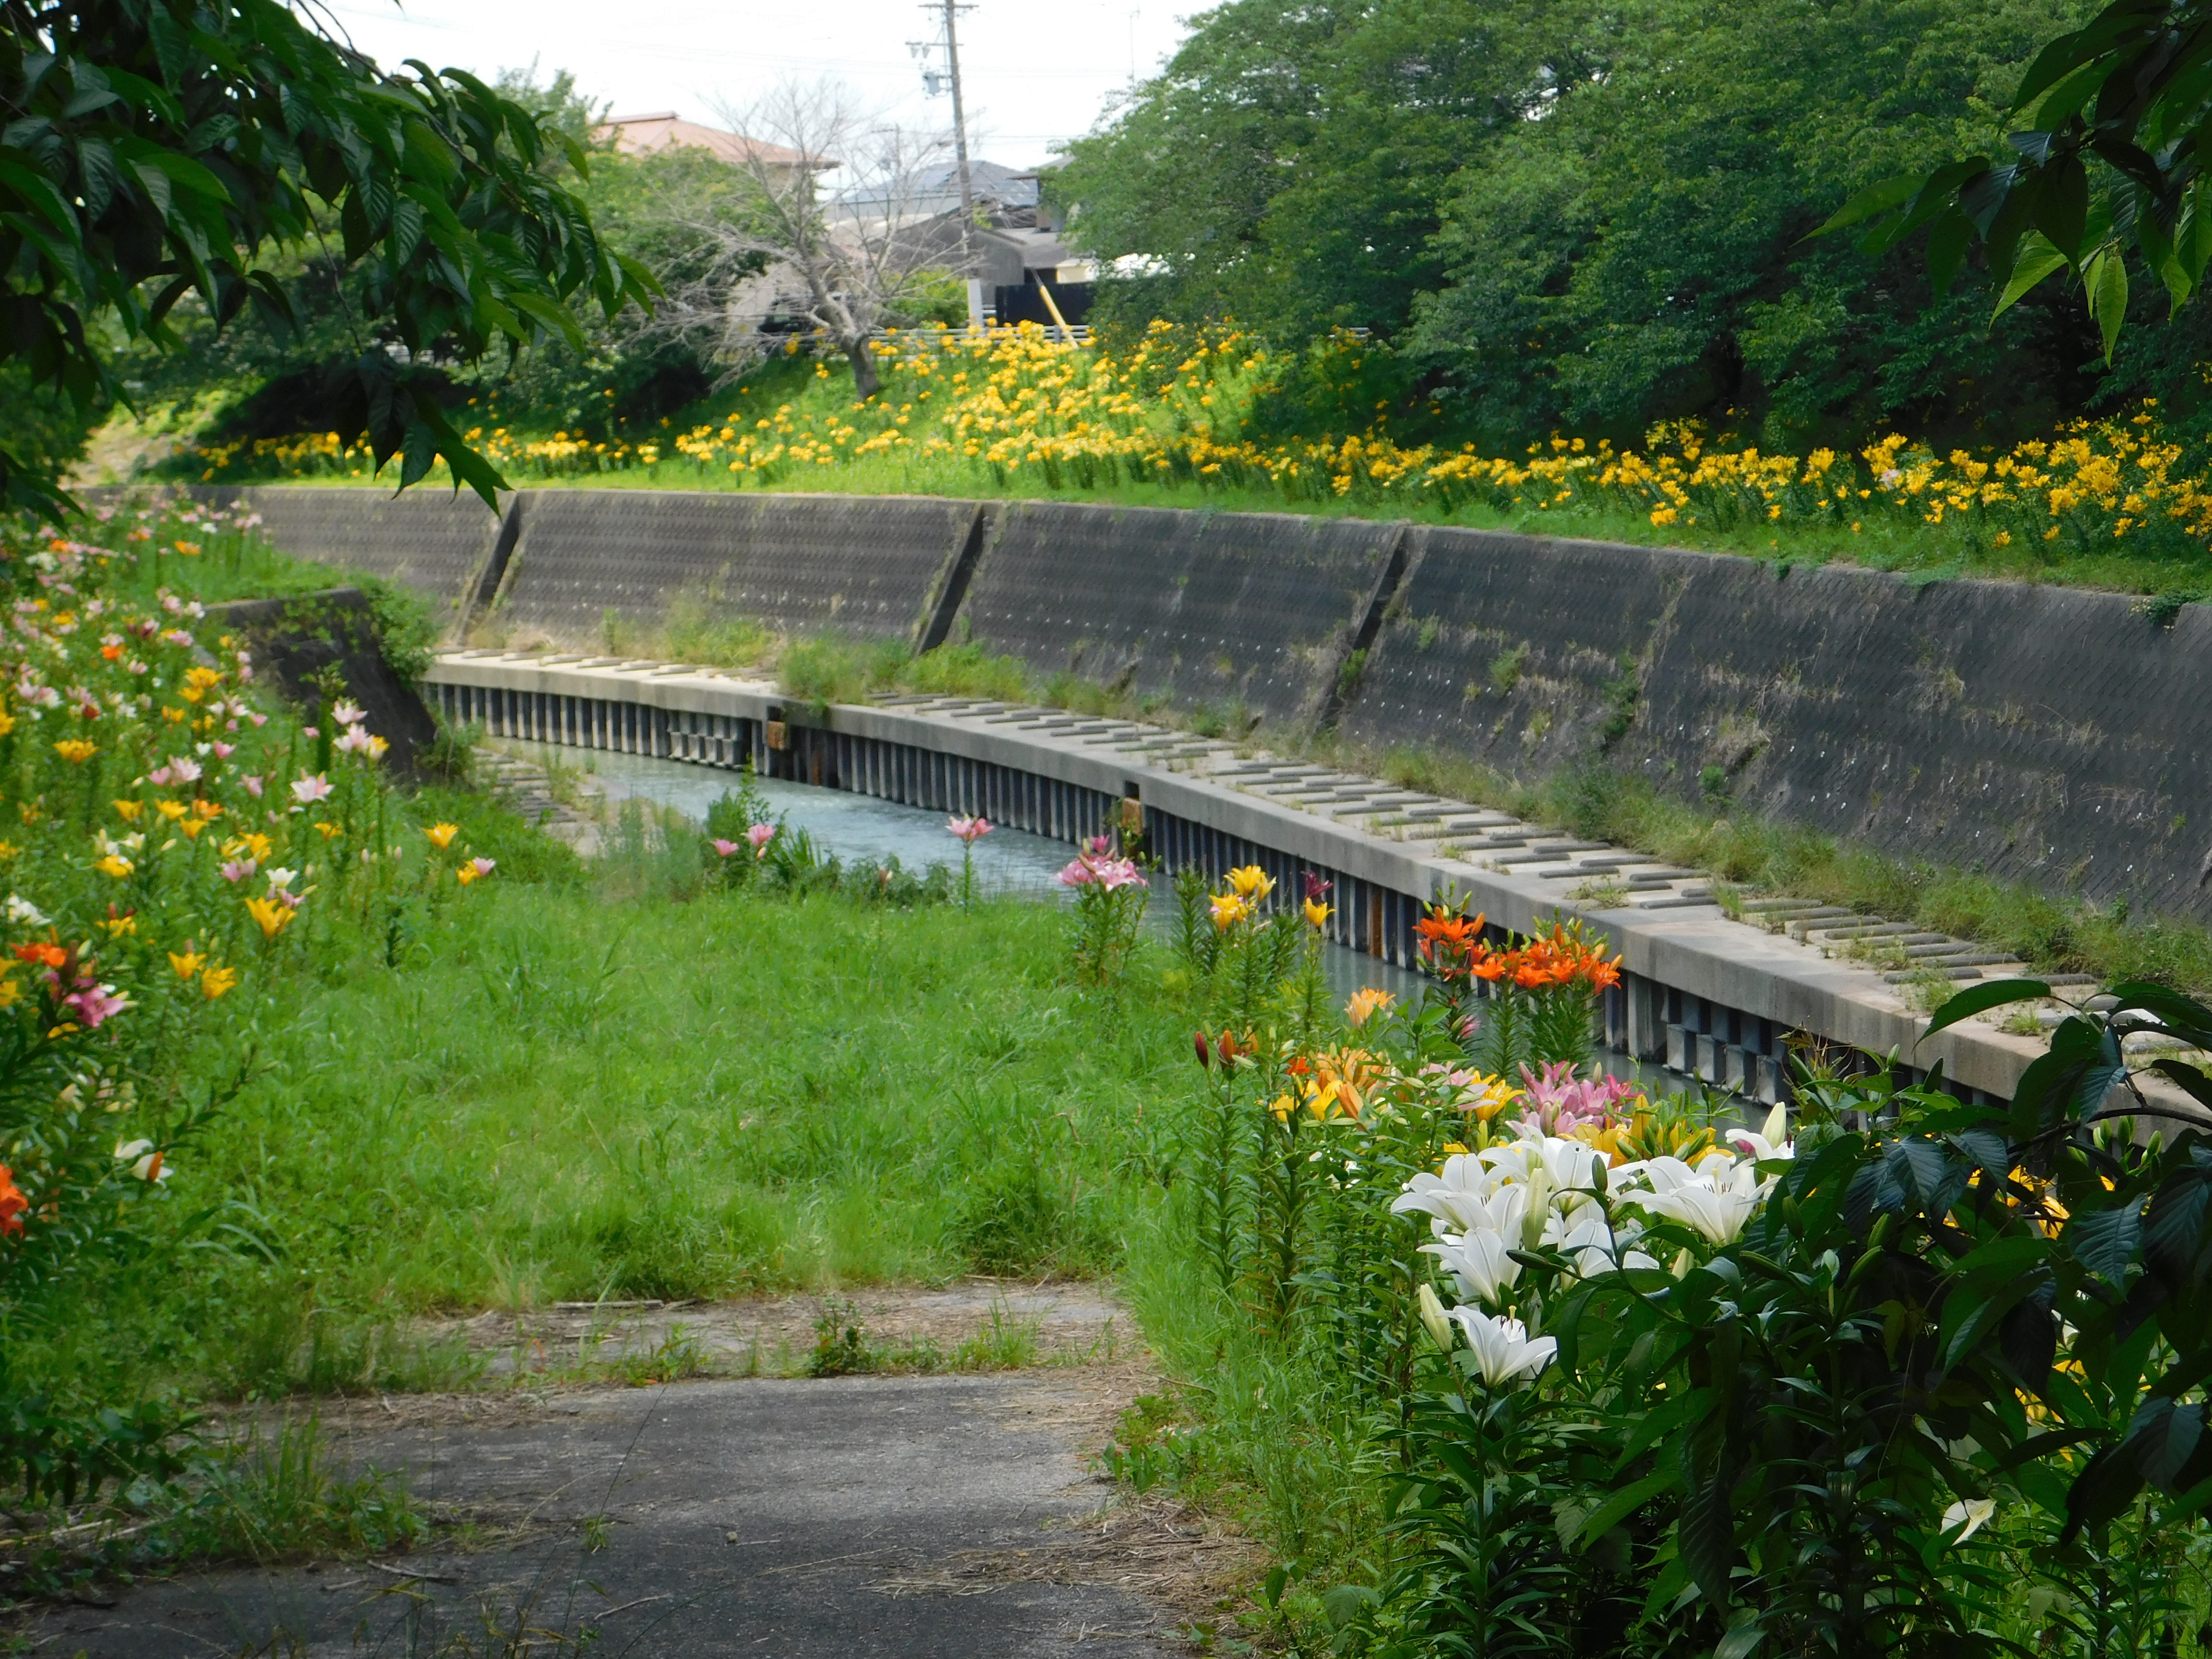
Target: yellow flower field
<point>1014,409</point>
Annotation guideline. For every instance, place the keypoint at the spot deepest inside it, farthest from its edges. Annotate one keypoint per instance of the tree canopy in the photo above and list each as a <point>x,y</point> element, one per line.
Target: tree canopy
<point>1599,214</point>
<point>2104,153</point>
<point>155,148</point>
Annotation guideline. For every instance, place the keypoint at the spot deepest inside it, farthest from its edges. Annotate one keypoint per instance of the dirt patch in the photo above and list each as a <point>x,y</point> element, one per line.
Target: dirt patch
<point>1155,1546</point>
<point>977,1325</point>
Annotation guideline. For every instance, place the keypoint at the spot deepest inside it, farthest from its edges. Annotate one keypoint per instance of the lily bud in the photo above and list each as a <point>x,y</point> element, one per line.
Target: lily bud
<point>1432,1317</point>
<point>1204,1053</point>
<point>1540,1189</point>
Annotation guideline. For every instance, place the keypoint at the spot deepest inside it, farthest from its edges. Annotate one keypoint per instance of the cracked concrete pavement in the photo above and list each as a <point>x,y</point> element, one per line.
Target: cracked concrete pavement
<point>953,1516</point>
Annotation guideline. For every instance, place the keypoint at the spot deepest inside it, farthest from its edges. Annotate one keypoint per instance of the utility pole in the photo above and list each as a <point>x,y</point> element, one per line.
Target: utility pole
<point>930,86</point>
<point>959,122</point>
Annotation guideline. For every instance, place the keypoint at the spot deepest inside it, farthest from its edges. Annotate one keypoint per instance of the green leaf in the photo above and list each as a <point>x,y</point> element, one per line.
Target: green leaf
<point>172,44</point>
<point>2106,1241</point>
<point>2064,100</point>
<point>420,453</point>
<point>1346,1602</point>
<point>2105,282</point>
<point>2191,1079</point>
<point>1982,998</point>
<point>1948,238</point>
<point>1873,200</point>
<point>1706,1533</point>
<point>1625,1502</point>
<point>1739,1642</point>
<point>2162,1437</point>
<point>2005,1257</point>
<point>2036,260</point>
<point>2103,1489</point>
<point>2058,203</point>
<point>2185,1014</point>
<point>40,193</point>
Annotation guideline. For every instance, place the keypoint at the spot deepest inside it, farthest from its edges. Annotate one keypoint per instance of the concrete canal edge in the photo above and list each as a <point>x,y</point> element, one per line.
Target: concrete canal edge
<point>2044,735</point>
<point>1711,997</point>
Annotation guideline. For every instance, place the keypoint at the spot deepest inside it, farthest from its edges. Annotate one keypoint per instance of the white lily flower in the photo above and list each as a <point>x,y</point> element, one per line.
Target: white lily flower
<point>1715,1199</point>
<point>1770,1141</point>
<point>1503,1350</point>
<point>146,1164</point>
<point>1595,1247</point>
<point>1459,1196</point>
<point>1970,1513</point>
<point>1570,1166</point>
<point>21,910</point>
<point>1481,1263</point>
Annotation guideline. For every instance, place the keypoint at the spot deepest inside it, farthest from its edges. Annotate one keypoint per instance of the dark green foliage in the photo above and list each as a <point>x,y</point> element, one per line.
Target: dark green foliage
<point>1570,215</point>
<point>161,147</point>
<point>2102,157</point>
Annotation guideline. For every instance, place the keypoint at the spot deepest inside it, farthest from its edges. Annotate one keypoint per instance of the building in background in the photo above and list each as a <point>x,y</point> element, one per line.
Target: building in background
<point>641,135</point>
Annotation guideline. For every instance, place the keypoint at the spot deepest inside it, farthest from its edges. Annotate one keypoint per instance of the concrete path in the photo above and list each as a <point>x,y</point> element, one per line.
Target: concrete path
<point>776,1519</point>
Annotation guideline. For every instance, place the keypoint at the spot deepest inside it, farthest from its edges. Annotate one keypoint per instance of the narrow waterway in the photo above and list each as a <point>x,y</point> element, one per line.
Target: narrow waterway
<point>861,828</point>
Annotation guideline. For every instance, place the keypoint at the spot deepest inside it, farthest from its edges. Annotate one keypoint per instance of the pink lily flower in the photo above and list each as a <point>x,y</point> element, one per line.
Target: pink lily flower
<point>94,1003</point>
<point>969,830</point>
<point>308,790</point>
<point>723,848</point>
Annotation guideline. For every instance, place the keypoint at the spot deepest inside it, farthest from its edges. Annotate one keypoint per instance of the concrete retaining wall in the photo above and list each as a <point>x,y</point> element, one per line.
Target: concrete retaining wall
<point>2042,733</point>
<point>430,540</point>
<point>1244,611</point>
<point>857,565</point>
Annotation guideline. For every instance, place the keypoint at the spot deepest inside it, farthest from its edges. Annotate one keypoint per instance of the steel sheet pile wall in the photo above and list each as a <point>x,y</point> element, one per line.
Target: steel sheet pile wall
<point>2049,735</point>
<point>858,565</point>
<point>1219,609</point>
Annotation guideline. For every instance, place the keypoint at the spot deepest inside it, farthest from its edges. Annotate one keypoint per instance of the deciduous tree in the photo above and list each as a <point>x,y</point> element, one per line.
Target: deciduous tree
<point>157,147</point>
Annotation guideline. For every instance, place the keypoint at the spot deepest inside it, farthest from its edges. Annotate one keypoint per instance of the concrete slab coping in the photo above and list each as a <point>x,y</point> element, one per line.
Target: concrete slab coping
<point>1806,923</point>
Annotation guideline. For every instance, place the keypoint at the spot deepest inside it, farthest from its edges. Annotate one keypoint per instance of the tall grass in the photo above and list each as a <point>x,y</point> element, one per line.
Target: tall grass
<point>597,1090</point>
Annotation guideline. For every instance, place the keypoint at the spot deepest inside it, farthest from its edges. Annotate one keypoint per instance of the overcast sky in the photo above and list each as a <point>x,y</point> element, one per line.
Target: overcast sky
<point>1035,76</point>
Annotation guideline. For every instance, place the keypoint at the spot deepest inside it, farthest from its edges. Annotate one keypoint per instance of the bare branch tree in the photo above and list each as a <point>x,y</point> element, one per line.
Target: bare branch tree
<point>847,262</point>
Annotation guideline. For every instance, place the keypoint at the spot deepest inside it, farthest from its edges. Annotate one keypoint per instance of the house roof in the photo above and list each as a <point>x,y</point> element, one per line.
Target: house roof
<point>987,180</point>
<point>640,135</point>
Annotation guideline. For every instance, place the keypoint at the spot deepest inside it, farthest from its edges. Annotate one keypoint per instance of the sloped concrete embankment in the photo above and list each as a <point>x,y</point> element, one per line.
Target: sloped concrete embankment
<point>2045,734</point>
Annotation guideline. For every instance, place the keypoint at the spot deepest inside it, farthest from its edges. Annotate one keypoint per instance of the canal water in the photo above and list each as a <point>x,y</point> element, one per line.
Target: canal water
<point>862,829</point>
